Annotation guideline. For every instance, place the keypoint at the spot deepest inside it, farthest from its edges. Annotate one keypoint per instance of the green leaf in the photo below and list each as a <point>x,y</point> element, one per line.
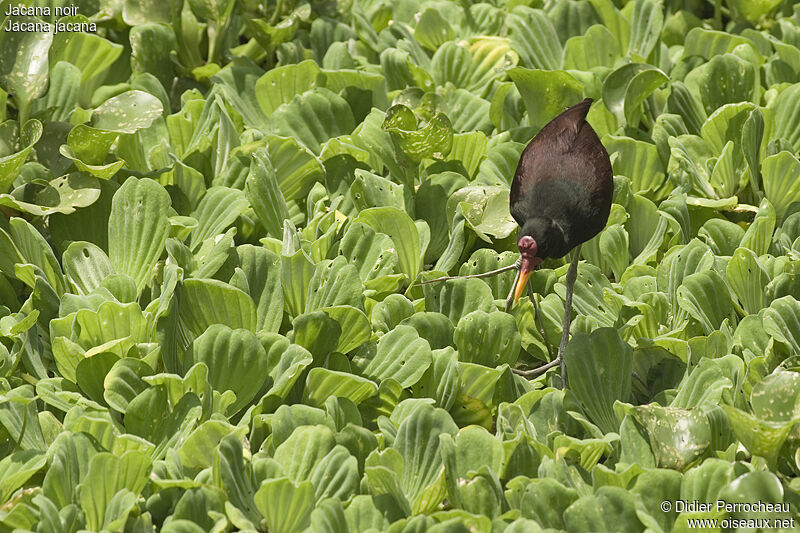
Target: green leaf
<point>647,21</point>
<point>354,324</point>
<point>639,161</point>
<point>677,436</point>
<point>235,360</point>
<point>23,244</point>
<point>390,312</point>
<point>336,475</point>
<point>704,481</point>
<point>545,500</point>
<point>18,416</point>
<point>722,236</point>
<point>434,140</point>
<point>296,273</point>
<point>785,124</point>
<point>760,437</point>
<point>10,165</point>
<point>748,279</point>
<point>725,124</point>
<point>704,387</point>
<point>752,136</point>
<point>286,506</point>
<point>597,48</point>
<point>111,321</point>
<point>599,367</point>
<point>689,106</point>
<point>370,190</point>
<point>303,450</point>
<point>614,20</point>
<point>782,321</point>
<point>452,63</point>
<point>780,174</point>
<point>489,339</point>
<point>485,210</point>
<point>441,380</point>
<point>722,80</point>
<point>611,506</point>
<point>626,88</point>
<point>125,381</point>
<point>468,148</point>
<point>102,172</point>
<point>400,354</point>
<point>314,117</point>
<point>680,262</point>
<point>459,297</point>
<point>127,112</point>
<point>218,209</point>
<point>151,44</point>
<point>759,235</point>
<point>546,93</point>
<point>24,63</point>
<point>434,327</point>
<point>334,283</point>
<point>214,10</point>
<point>105,482</point>
<point>205,302</point>
<point>16,468</point>
<point>534,37</point>
<point>280,85</point>
<point>709,43</point>
<point>137,229</point>
<point>322,383</point>
<point>371,252</point>
<point>135,12</point>
<point>401,230</point>
<point>704,295</point>
<point>432,29</point>
<point>262,268</point>
<point>753,11</point>
<point>418,443</point>
<point>296,168</point>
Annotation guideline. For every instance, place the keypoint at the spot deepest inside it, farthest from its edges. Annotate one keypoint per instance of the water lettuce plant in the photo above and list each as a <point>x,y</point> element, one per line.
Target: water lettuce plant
<point>216,217</point>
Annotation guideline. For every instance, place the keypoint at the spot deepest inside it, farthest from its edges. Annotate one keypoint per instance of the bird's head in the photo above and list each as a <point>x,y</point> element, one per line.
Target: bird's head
<point>538,238</point>
<point>528,249</point>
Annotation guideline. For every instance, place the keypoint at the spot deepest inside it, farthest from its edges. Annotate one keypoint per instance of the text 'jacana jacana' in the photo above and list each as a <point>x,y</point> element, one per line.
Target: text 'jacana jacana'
<point>561,198</point>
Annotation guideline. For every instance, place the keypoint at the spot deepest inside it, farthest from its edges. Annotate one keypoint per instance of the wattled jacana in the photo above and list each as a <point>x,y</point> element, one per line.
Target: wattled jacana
<point>561,198</point>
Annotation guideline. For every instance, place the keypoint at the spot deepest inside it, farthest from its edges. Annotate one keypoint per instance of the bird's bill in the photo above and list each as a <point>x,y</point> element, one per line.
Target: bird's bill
<point>521,283</point>
<point>525,271</point>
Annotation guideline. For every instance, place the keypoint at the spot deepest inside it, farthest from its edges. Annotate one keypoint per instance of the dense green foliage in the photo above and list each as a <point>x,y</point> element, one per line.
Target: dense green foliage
<point>215,215</point>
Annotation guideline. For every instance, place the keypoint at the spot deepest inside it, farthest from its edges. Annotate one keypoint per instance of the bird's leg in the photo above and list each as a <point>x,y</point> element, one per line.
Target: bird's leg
<point>510,299</point>
<point>572,274</point>
<point>534,372</point>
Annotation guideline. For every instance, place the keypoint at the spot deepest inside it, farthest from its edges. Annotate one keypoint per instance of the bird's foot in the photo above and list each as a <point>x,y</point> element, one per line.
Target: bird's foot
<point>539,370</point>
<point>480,275</point>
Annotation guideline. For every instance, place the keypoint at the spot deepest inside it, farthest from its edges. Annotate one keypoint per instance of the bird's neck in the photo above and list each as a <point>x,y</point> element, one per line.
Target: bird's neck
<point>550,234</point>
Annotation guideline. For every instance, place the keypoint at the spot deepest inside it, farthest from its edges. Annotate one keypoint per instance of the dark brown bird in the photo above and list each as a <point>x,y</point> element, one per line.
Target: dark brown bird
<point>561,197</point>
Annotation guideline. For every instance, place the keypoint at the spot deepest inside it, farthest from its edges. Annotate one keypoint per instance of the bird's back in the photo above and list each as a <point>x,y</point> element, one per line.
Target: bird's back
<point>565,173</point>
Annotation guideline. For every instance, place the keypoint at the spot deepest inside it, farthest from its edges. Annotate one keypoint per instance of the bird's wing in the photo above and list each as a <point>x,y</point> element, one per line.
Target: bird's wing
<point>545,154</point>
